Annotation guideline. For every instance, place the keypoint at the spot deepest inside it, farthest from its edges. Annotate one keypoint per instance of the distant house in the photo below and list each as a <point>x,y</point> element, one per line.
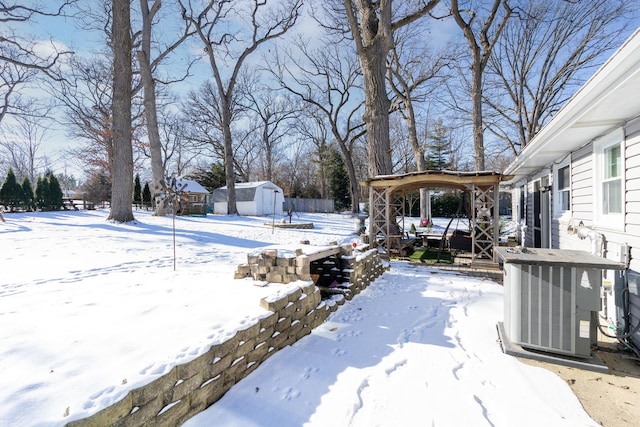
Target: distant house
<point>197,198</point>
<point>576,185</point>
<point>252,198</point>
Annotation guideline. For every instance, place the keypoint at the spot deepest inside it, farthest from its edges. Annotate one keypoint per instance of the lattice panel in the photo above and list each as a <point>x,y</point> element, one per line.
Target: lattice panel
<point>396,205</point>
<point>377,215</point>
<point>485,223</point>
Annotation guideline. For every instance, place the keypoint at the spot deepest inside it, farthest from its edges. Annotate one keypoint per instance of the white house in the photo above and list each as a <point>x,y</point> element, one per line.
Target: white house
<point>252,198</point>
<point>576,185</point>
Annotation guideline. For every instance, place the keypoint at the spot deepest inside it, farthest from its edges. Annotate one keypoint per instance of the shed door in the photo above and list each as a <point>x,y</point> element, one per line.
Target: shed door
<point>268,201</point>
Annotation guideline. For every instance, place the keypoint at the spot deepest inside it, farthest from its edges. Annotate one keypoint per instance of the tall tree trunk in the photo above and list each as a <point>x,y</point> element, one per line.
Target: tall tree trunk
<point>476,99</point>
<point>376,116</point>
<point>150,109</point>
<point>151,116</point>
<point>268,148</point>
<point>353,184</point>
<point>418,153</point>
<point>228,153</point>
<point>480,47</point>
<point>373,37</point>
<point>122,166</point>
<point>322,168</point>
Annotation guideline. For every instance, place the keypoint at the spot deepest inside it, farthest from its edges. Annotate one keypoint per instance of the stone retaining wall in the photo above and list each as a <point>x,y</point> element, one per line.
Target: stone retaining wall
<point>191,387</point>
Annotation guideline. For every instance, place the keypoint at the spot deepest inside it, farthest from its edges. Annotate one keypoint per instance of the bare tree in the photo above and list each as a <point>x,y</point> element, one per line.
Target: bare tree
<point>20,61</point>
<point>301,175</point>
<point>231,32</point>
<point>178,151</point>
<point>481,33</point>
<point>21,141</point>
<point>201,112</point>
<point>122,170</point>
<point>326,78</point>
<point>542,58</point>
<point>148,64</point>
<point>202,116</point>
<point>413,75</point>
<point>272,116</point>
<point>313,126</point>
<point>86,98</point>
<point>403,158</point>
<point>371,24</point>
<point>11,78</point>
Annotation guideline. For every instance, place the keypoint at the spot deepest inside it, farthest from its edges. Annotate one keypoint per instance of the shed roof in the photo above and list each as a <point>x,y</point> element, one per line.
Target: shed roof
<point>245,191</point>
<point>192,186</point>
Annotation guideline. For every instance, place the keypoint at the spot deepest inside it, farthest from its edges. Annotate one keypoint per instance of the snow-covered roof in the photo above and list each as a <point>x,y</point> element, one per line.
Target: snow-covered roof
<point>253,184</point>
<point>192,186</point>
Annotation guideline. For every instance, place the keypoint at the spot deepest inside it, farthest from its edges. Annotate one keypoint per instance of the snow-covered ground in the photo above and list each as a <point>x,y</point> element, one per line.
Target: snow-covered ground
<point>91,309</point>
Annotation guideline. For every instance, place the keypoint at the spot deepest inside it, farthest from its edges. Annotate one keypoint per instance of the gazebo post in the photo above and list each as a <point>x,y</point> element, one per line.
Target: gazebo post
<point>473,220</point>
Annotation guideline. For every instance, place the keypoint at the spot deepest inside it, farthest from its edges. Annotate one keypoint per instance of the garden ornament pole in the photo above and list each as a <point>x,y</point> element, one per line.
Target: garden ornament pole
<point>173,194</point>
<point>275,197</point>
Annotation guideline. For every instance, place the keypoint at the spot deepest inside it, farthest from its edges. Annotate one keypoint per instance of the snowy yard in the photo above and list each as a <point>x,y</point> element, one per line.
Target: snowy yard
<point>90,310</point>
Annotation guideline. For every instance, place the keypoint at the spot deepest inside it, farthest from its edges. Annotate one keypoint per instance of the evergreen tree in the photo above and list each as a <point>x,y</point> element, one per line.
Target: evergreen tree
<point>214,178</point>
<point>55,193</point>
<point>10,192</point>
<point>42,194</point>
<point>137,192</point>
<point>27,195</point>
<point>338,182</point>
<point>146,195</point>
<point>438,149</point>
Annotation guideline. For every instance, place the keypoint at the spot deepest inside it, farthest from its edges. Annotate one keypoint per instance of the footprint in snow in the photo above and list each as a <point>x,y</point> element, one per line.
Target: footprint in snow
<point>339,352</point>
<point>290,394</point>
<point>308,372</point>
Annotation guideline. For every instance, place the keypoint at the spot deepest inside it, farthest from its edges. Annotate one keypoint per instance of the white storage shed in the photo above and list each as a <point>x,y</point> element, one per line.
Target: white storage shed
<point>252,198</point>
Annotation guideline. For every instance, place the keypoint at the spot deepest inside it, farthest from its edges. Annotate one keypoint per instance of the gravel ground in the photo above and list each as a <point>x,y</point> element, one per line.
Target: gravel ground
<point>612,399</point>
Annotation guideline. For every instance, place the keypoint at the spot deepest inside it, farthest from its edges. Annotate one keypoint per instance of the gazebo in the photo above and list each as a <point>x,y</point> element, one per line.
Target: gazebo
<point>385,204</point>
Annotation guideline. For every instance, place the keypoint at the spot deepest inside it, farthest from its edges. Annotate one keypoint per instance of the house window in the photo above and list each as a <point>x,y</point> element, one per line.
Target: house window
<point>522,203</point>
<point>612,180</point>
<point>564,188</point>
<point>609,181</point>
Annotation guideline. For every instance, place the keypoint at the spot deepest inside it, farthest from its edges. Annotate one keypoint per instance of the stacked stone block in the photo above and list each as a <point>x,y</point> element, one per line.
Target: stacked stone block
<point>267,266</point>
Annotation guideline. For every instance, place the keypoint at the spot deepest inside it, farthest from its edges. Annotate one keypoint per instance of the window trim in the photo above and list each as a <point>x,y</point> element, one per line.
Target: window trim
<point>613,221</point>
<point>559,211</point>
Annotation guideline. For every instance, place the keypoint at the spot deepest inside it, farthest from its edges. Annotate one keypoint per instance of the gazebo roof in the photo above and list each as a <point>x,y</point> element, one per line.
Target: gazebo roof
<point>435,179</point>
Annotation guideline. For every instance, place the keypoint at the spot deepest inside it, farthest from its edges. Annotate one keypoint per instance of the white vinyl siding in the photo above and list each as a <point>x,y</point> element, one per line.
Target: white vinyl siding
<point>582,186</point>
<point>632,187</point>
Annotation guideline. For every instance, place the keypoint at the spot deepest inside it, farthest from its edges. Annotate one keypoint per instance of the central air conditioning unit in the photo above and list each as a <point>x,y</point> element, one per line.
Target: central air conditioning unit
<point>551,298</point>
